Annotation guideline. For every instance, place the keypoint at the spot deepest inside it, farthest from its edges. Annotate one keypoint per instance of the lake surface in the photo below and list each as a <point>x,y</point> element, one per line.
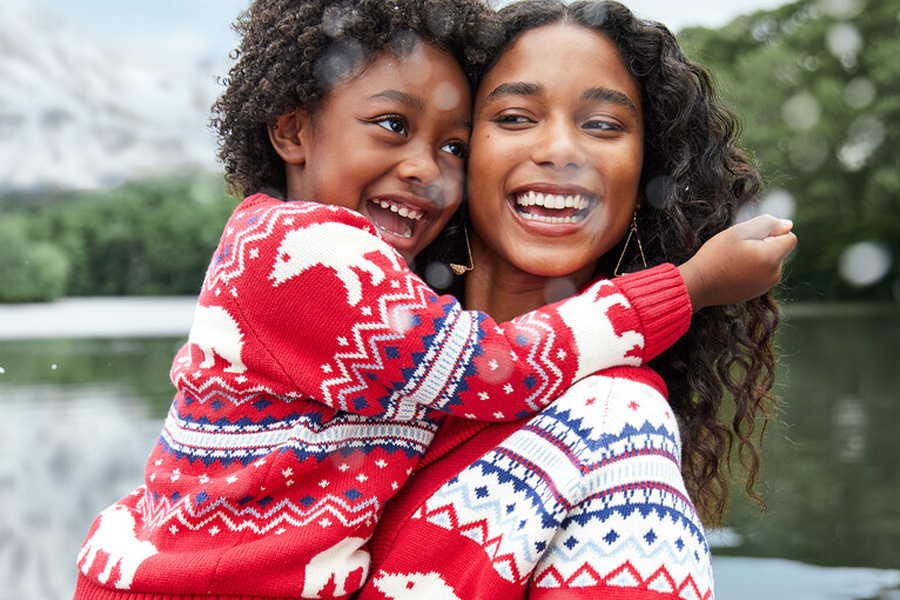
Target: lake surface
<point>80,415</point>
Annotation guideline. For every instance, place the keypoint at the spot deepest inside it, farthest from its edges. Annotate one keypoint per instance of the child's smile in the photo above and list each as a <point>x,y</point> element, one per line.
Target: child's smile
<point>390,143</point>
<point>393,217</point>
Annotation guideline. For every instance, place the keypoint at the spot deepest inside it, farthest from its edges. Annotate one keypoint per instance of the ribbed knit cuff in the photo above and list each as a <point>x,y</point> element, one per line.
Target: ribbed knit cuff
<point>661,301</point>
<point>86,590</point>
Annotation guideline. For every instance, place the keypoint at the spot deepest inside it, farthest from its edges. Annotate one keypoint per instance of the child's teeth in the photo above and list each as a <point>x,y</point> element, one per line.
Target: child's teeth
<point>403,211</point>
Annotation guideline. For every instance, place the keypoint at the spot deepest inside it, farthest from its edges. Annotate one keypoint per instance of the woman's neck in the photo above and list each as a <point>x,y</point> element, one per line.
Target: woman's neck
<point>504,291</point>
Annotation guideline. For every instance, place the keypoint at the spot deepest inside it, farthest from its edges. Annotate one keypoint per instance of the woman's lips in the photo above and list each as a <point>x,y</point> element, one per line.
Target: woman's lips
<point>543,207</point>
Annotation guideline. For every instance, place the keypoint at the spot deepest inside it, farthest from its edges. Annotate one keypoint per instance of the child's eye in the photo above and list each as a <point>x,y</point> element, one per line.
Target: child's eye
<point>393,123</point>
<point>456,148</point>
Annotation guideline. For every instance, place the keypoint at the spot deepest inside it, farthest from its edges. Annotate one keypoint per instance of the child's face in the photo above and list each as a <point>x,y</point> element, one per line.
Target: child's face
<point>391,143</point>
<point>557,150</point>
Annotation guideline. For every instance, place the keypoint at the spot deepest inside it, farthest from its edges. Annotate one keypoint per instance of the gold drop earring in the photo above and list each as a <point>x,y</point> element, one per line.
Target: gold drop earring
<point>460,269</point>
<point>633,231</point>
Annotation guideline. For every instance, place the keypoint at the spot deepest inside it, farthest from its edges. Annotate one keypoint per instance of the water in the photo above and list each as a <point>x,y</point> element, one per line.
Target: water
<point>80,415</point>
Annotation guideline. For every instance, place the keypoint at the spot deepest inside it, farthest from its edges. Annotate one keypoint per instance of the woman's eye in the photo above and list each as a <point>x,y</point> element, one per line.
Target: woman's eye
<point>601,125</point>
<point>394,124</point>
<point>513,120</point>
<point>458,149</point>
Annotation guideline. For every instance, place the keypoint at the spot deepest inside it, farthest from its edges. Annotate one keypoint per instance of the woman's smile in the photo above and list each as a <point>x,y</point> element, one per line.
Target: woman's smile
<point>553,211</point>
<point>556,153</point>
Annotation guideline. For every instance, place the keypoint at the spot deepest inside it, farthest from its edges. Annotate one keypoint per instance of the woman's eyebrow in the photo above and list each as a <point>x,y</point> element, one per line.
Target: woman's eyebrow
<point>516,88</point>
<point>597,94</point>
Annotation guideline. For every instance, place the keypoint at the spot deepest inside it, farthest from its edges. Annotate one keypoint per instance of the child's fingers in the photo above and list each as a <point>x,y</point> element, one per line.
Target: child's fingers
<point>763,226</point>
<point>782,244</point>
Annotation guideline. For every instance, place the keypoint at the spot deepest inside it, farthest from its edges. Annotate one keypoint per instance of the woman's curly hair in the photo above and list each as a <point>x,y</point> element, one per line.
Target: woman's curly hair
<point>695,181</point>
<point>293,51</point>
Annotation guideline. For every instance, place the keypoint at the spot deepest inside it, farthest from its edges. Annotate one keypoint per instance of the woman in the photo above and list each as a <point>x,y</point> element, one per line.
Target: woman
<point>595,142</point>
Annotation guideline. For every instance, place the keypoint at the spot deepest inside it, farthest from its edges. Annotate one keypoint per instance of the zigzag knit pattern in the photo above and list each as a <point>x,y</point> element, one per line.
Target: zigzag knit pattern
<point>587,497</point>
<point>314,378</point>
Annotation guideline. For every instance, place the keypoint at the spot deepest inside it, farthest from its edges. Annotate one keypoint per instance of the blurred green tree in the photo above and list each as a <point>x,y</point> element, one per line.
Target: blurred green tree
<point>148,238</point>
<point>817,85</point>
<point>31,270</point>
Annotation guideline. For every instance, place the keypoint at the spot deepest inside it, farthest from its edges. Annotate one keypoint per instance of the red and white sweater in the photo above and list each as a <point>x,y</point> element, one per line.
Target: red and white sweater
<point>583,501</point>
<point>316,373</point>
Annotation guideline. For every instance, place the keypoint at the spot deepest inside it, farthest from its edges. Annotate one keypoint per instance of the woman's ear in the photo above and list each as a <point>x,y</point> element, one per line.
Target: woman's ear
<point>289,136</point>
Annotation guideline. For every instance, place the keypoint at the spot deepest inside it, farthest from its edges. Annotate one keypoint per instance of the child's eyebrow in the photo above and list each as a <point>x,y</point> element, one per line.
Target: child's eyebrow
<point>414,102</point>
<point>401,97</point>
<point>597,94</point>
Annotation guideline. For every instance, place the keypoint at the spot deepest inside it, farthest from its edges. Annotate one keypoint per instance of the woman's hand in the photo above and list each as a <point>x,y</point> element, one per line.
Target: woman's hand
<point>740,263</point>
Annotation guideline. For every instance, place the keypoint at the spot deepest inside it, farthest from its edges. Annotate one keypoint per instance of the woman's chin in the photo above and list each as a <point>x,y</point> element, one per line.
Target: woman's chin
<point>558,264</point>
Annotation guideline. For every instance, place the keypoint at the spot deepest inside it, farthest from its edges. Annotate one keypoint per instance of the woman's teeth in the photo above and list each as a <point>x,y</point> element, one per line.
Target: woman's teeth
<point>572,204</point>
<point>576,201</point>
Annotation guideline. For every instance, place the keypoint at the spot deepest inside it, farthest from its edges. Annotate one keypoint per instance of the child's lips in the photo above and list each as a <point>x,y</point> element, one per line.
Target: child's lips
<point>394,217</point>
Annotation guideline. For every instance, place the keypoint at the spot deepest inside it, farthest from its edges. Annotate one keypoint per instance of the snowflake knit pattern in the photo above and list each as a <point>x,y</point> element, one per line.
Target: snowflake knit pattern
<point>317,370</point>
<point>585,500</point>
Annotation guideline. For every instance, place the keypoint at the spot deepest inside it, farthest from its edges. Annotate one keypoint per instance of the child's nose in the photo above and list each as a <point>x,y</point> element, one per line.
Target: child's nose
<point>420,166</point>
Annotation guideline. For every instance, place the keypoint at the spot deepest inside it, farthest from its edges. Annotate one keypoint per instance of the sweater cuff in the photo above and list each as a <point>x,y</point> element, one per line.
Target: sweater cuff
<point>661,301</point>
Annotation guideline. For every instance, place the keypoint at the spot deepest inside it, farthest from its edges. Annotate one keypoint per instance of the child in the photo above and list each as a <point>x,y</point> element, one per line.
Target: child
<point>318,365</point>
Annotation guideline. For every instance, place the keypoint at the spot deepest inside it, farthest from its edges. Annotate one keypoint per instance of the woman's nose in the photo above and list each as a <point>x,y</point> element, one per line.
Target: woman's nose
<point>559,146</point>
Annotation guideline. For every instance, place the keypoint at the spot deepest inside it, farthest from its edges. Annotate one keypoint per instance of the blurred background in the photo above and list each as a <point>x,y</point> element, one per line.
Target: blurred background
<point>111,202</point>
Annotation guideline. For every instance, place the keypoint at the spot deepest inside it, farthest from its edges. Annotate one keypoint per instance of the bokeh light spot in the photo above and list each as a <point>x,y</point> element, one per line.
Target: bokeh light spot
<point>337,18</point>
<point>559,288</point>
<point>338,63</point>
<point>747,212</point>
<point>865,263</point>
<point>446,96</point>
<point>780,203</point>
<point>841,9</point>
<point>843,39</point>
<point>659,192</point>
<point>864,136</point>
<point>438,275</point>
<point>860,92</point>
<point>801,111</point>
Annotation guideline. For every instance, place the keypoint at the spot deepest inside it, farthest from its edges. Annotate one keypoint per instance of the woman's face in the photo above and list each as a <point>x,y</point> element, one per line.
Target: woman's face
<point>556,152</point>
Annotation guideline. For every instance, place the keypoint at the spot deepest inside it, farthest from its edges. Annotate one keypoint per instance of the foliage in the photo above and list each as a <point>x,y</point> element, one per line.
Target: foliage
<point>31,270</point>
<point>144,238</point>
<point>817,86</point>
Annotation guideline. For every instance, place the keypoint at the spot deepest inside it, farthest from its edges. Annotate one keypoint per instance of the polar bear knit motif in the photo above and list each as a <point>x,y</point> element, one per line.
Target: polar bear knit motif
<point>300,249</point>
<point>115,536</point>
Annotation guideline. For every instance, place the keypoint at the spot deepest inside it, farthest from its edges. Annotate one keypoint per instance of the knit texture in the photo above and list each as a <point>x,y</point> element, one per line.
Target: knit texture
<point>585,500</point>
<point>316,373</point>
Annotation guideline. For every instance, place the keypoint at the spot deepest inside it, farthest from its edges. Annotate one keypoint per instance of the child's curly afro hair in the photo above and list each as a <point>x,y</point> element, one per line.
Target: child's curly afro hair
<point>293,51</point>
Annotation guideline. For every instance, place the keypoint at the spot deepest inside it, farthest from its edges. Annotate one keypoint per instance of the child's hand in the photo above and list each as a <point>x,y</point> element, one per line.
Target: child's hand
<point>740,263</point>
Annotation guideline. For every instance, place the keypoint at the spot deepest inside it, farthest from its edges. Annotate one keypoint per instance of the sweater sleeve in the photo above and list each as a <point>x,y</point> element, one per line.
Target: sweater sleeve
<point>323,307</point>
<point>630,530</point>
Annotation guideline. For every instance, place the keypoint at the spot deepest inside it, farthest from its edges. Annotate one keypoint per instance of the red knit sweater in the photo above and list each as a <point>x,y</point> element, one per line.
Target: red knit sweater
<point>583,501</point>
<point>316,372</point>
